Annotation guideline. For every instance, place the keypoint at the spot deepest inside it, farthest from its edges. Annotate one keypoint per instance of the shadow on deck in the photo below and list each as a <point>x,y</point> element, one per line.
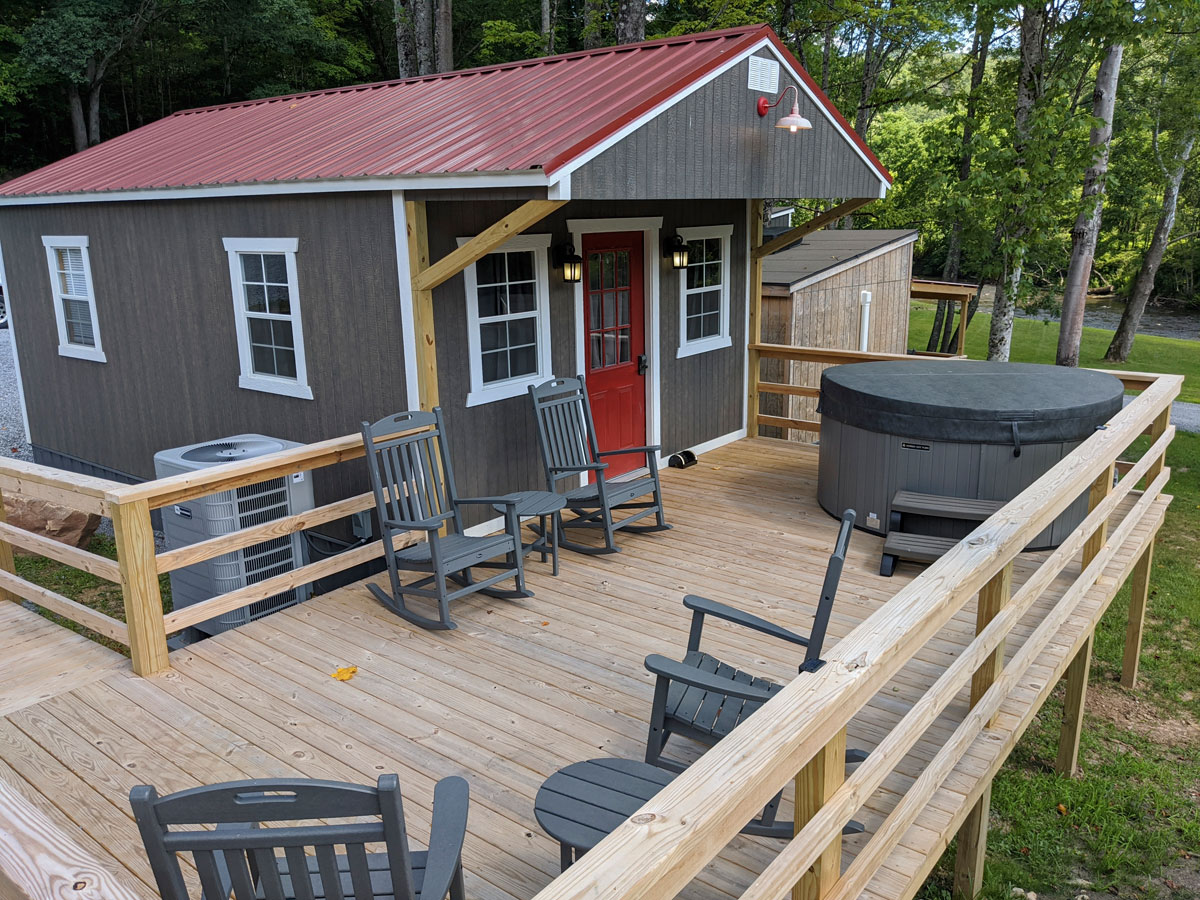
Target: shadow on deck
<point>523,688</point>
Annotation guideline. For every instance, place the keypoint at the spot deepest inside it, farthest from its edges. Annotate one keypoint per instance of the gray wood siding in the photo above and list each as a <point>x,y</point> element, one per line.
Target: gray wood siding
<point>713,143</point>
<point>495,445</point>
<point>166,318</point>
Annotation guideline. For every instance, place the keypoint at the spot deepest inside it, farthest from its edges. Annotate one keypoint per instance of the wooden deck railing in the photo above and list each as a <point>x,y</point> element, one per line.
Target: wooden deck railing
<point>799,734</point>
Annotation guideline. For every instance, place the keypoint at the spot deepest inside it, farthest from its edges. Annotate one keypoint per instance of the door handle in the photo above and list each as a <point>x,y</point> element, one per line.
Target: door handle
<point>643,365</point>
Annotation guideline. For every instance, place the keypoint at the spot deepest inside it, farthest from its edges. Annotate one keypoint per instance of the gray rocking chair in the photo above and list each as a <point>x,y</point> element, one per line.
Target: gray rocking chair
<point>414,491</point>
<point>239,857</point>
<point>567,437</point>
<point>704,699</point>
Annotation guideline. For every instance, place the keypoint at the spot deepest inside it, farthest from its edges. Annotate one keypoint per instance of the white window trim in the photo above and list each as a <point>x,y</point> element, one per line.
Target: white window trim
<point>65,347</point>
<point>513,387</point>
<point>723,339</point>
<point>249,379</point>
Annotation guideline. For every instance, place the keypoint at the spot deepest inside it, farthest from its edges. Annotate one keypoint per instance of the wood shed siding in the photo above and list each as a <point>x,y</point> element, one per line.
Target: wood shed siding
<point>495,444</point>
<point>713,143</point>
<point>826,314</point>
<point>166,318</point>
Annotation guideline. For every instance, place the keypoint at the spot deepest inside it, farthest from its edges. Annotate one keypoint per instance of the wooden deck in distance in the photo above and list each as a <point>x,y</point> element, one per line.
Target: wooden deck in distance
<point>521,688</point>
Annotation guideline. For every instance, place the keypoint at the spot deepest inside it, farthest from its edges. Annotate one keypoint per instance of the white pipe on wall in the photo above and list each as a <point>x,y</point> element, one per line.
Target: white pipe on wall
<point>864,320</point>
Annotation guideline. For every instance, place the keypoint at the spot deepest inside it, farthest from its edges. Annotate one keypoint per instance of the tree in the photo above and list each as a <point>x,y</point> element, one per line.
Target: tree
<point>1087,224</point>
<point>75,43</point>
<point>631,21</point>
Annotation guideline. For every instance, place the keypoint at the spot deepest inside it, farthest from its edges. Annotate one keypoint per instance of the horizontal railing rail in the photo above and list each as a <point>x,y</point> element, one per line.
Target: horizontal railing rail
<point>674,836</point>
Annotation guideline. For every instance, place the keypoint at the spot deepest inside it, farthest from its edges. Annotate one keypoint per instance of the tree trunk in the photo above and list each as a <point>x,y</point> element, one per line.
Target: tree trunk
<point>444,36</point>
<point>1087,223</point>
<point>985,26</point>
<point>1131,317</point>
<point>870,75</point>
<point>939,316</point>
<point>78,124</point>
<point>826,53</point>
<point>406,50</point>
<point>948,331</point>
<point>94,115</point>
<point>549,7</point>
<point>423,30</point>
<point>593,24</point>
<point>972,308</point>
<point>1004,308</point>
<point>631,21</point>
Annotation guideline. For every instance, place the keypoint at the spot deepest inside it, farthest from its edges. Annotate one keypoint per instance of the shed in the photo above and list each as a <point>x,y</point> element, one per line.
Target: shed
<point>813,296</point>
<point>295,265</point>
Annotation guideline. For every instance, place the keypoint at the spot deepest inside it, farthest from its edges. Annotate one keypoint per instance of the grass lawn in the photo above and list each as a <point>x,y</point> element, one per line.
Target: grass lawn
<point>1036,341</point>
<point>1129,824</point>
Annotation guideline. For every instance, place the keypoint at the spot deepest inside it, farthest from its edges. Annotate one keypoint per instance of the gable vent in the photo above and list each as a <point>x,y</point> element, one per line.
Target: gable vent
<point>764,75</point>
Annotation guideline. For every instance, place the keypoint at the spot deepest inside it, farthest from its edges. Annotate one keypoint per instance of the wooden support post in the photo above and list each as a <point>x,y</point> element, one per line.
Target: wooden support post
<point>134,536</point>
<point>754,332</point>
<point>962,327</point>
<point>1072,724</point>
<point>7,563</point>
<point>1156,431</point>
<point>418,262</point>
<point>972,834</point>
<point>1139,595</point>
<point>815,783</point>
<point>1100,489</point>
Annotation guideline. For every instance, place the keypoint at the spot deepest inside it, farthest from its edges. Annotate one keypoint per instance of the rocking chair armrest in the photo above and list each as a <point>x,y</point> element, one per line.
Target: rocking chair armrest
<point>451,800</point>
<point>690,675</point>
<point>433,523</point>
<point>582,467</point>
<point>490,501</point>
<point>706,607</point>
<point>650,448</point>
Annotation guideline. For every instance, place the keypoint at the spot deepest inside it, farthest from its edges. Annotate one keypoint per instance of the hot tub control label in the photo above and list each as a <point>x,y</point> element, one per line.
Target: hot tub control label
<point>909,445</point>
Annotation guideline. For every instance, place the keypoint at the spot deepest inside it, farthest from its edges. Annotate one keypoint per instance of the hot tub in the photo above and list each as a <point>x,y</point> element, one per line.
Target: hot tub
<point>960,428</point>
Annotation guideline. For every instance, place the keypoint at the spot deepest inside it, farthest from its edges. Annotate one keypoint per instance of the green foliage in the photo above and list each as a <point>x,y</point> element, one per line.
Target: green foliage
<point>503,42</point>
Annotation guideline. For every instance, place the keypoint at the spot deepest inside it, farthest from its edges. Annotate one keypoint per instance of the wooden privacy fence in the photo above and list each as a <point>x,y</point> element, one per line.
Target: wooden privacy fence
<point>138,566</point>
<point>799,735</point>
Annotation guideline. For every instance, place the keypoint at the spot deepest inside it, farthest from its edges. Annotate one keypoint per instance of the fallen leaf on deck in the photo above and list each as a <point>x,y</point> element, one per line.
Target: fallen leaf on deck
<point>545,623</point>
<point>345,673</point>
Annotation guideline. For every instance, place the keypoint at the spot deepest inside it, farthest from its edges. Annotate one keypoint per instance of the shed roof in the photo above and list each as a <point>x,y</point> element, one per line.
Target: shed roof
<point>822,252</point>
<point>537,116</point>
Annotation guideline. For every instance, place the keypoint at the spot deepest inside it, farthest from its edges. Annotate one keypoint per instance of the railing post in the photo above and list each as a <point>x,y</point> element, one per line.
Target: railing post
<point>1077,671</point>
<point>139,586</point>
<point>754,331</point>
<point>815,783</point>
<point>972,834</point>
<point>6,556</point>
<point>1139,592</point>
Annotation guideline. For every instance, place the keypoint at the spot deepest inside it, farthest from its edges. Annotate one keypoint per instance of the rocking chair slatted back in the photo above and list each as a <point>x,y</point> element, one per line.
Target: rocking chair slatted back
<point>241,855</point>
<point>565,428</point>
<point>412,467</point>
<point>829,587</point>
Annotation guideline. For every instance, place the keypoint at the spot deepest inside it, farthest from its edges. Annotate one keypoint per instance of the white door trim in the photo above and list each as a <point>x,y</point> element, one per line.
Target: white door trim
<point>650,226</point>
<point>12,339</point>
<point>407,315</point>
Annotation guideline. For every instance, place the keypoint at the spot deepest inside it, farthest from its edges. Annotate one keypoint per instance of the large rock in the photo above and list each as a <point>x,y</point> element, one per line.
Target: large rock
<point>70,526</point>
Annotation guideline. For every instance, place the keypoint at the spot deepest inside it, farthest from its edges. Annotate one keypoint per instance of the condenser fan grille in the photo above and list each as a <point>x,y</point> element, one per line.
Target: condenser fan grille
<point>227,451</point>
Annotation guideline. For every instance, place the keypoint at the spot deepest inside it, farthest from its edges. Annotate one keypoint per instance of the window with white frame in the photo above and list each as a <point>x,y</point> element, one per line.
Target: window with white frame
<point>74,297</point>
<point>266,304</point>
<point>508,319</point>
<point>704,290</point>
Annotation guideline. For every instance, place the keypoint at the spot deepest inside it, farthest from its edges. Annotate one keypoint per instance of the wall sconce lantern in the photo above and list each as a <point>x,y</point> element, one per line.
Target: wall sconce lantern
<point>793,121</point>
<point>676,250</point>
<point>571,262</point>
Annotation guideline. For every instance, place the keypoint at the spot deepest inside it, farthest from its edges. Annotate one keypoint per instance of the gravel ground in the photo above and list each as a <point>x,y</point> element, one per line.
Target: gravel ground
<point>12,429</point>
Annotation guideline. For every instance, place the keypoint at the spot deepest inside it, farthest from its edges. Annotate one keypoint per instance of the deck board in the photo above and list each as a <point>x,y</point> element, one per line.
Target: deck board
<point>521,688</point>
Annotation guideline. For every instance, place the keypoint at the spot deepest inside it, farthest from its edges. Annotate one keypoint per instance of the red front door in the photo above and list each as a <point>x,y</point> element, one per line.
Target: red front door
<point>616,341</point>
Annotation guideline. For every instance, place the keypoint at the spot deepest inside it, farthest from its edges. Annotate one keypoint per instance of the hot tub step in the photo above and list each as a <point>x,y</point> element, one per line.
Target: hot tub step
<point>943,507</point>
<point>923,548</point>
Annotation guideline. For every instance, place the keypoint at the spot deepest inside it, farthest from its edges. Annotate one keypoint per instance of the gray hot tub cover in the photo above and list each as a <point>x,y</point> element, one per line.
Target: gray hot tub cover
<point>971,401</point>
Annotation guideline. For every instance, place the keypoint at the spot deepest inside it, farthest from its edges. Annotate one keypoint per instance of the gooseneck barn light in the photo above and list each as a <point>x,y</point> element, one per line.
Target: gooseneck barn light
<point>793,121</point>
<point>676,250</point>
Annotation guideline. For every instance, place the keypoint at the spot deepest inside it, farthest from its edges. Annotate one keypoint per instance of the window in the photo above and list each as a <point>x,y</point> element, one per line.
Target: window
<point>704,290</point>
<point>266,305</point>
<point>508,319</point>
<point>74,298</point>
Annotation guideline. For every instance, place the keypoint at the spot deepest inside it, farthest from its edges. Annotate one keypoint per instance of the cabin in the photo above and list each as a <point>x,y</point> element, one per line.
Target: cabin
<point>841,289</point>
<point>295,265</point>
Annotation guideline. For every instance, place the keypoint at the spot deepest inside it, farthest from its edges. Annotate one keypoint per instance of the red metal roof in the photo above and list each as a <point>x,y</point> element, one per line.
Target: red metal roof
<point>535,115</point>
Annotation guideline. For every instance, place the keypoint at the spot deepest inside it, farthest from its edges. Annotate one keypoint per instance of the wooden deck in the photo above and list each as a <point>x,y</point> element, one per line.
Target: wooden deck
<point>521,688</point>
<point>42,659</point>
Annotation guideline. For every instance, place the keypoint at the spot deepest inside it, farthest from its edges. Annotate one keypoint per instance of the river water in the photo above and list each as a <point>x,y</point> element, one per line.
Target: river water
<point>1163,321</point>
